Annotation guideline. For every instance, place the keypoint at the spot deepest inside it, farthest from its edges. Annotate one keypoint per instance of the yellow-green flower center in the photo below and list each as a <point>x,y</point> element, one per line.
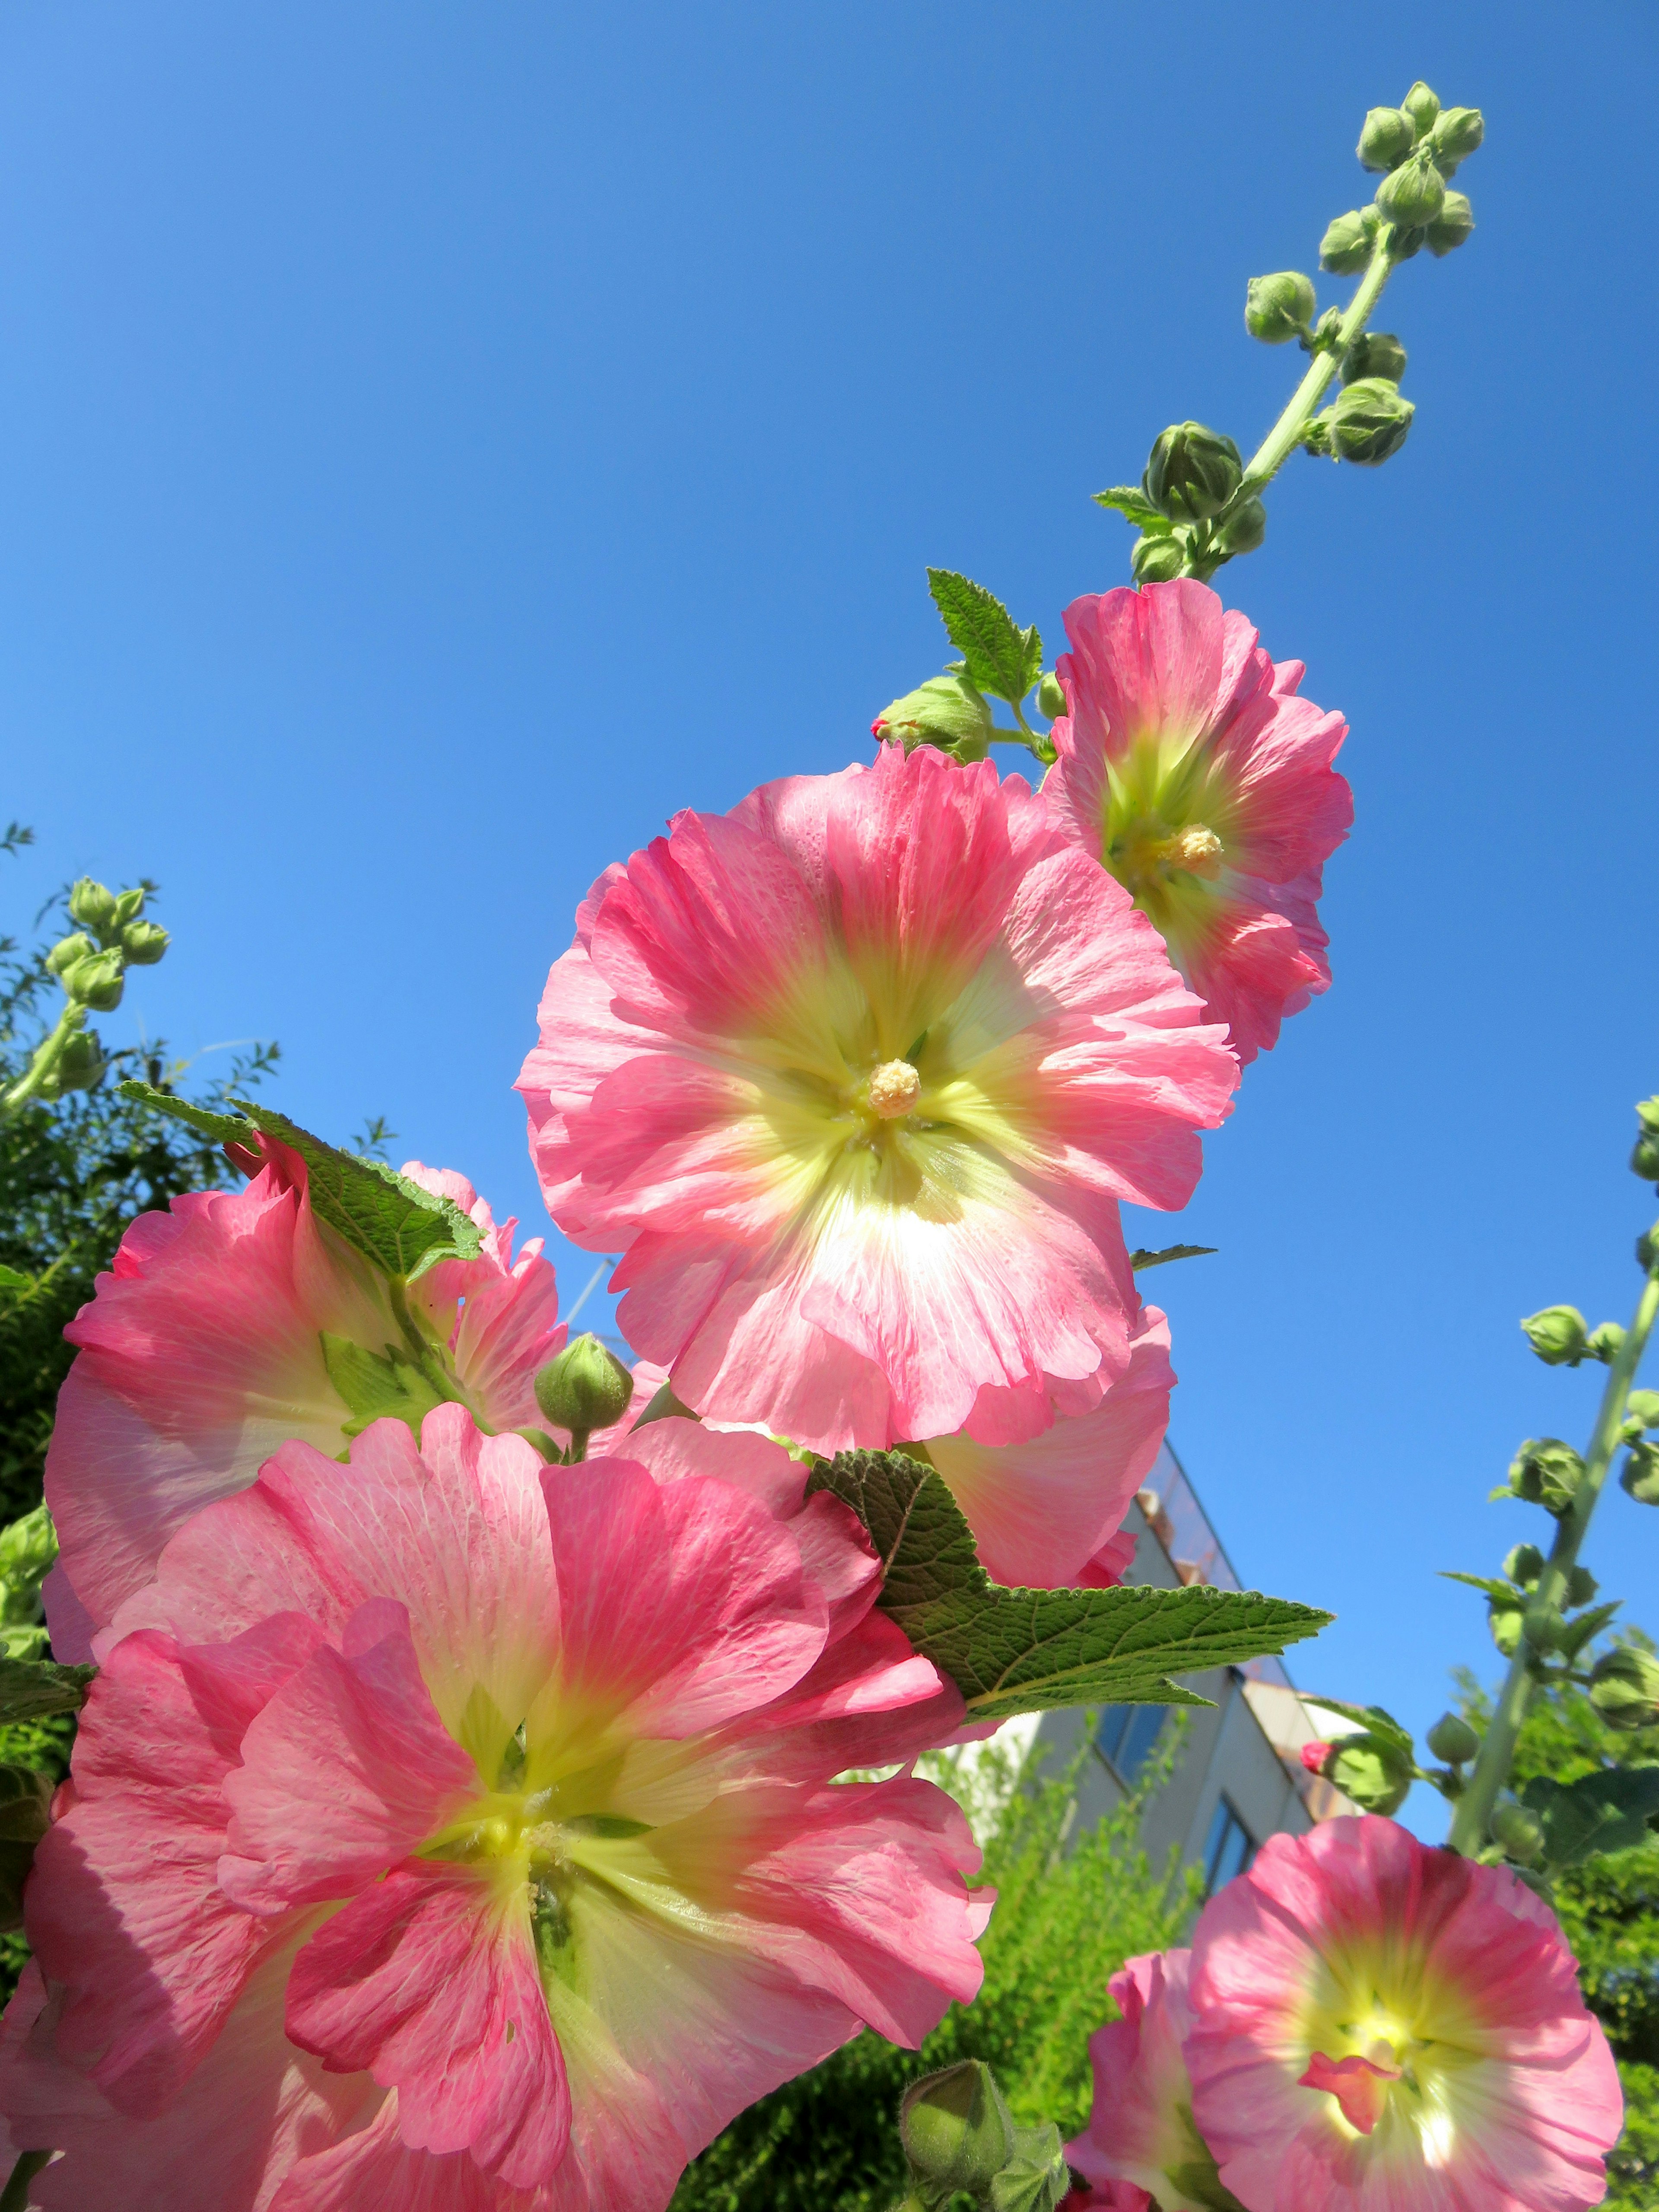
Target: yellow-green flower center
<point>1166,827</point>
<point>1419,2037</point>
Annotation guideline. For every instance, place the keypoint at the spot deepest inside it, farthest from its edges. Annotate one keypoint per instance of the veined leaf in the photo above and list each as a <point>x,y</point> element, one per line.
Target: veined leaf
<point>1606,1811</point>
<point>32,1688</point>
<point>1373,1719</point>
<point>1141,1258</point>
<point>1132,503</point>
<point>1026,1650</point>
<point>1001,658</point>
<point>1500,1593</point>
<point>403,1229</point>
<point>11,1279</point>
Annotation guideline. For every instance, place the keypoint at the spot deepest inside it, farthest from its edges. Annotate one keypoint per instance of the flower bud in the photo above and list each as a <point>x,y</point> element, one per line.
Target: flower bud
<point>92,906</point>
<point>1192,472</point>
<point>1643,1406</point>
<point>1546,1631</point>
<point>947,712</point>
<point>1370,421</point>
<point>1647,1249</point>
<point>1450,227</point>
<point>957,2132</point>
<point>1582,1586</point>
<point>1452,1739</point>
<point>1386,136</point>
<point>1623,1688</point>
<point>1505,1623</point>
<point>1524,1566</point>
<point>95,982</point>
<point>1372,1771</point>
<point>1423,108</point>
<point>1520,1830</point>
<point>1279,307</point>
<point>585,1388</point>
<point>1051,696</point>
<point>1374,353</point>
<point>1606,1341</point>
<point>1546,1472</point>
<point>143,943</point>
<point>81,1064</point>
<point>1558,1336</point>
<point>1155,560</point>
<point>1645,1160</point>
<point>1244,531</point>
<point>1346,248</point>
<point>1456,134</point>
<point>1639,1476</point>
<point>1412,194</point>
<point>68,950</point>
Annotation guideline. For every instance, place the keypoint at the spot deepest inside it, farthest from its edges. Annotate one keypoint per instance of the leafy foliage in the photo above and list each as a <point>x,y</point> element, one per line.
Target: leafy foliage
<point>1142,1257</point>
<point>1024,1650</point>
<point>1132,504</point>
<point>1001,658</point>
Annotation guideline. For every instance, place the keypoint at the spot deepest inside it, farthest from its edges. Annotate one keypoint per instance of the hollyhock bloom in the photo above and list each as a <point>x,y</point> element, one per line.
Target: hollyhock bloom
<point>1190,768</point>
<point>1140,2135</point>
<point>461,1836</point>
<point>204,1351</point>
<point>855,1078</point>
<point>1381,2023</point>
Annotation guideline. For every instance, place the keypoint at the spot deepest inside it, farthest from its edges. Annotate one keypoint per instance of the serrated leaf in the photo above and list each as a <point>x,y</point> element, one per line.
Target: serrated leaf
<point>1001,658</point>
<point>1130,500</point>
<point>1589,1626</point>
<point>403,1229</point>
<point>1028,1651</point>
<point>1606,1811</point>
<point>30,1689</point>
<point>1375,1720</point>
<point>12,1281</point>
<point>1141,1257</point>
<point>1501,1593</point>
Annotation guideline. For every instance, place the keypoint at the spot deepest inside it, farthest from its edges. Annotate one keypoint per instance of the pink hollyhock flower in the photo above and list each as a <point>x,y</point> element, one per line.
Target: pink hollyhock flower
<point>1140,2134</point>
<point>204,1351</point>
<point>462,1836</point>
<point>1381,2023</point>
<point>855,1076</point>
<point>1190,768</point>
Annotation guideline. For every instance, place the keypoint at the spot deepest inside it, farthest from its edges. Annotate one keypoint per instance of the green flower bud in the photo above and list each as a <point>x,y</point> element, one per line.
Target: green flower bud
<point>1386,136</point>
<point>1456,134</point>
<point>1374,353</point>
<point>1558,1336</point>
<point>1370,421</point>
<point>1645,1160</point>
<point>1639,1476</point>
<point>1244,531</point>
<point>1279,307</point>
<point>143,943</point>
<point>1051,696</point>
<point>1316,438</point>
<point>1452,1739</point>
<point>1546,1631</point>
<point>957,2132</point>
<point>1412,194</point>
<point>1546,1472</point>
<point>68,950</point>
<point>1155,560</point>
<point>1605,1341</point>
<point>1643,1406</point>
<point>95,982</point>
<point>127,908</point>
<point>947,712</point>
<point>81,1064</point>
<point>585,1388</point>
<point>1524,1566</point>
<point>1623,1688</point>
<point>1647,1249</point>
<point>1450,227</point>
<point>1346,248</point>
<point>92,906</point>
<point>1504,1622</point>
<point>1372,1771</point>
<point>1582,1586</point>
<point>1424,109</point>
<point>1520,1830</point>
<point>1192,472</point>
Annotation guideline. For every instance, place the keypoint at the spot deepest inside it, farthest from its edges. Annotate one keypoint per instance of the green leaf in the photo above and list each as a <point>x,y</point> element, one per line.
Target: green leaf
<point>1376,1721</point>
<point>1132,503</point>
<point>1606,1811</point>
<point>1027,1651</point>
<point>24,1816</point>
<point>403,1229</point>
<point>1141,1257</point>
<point>1501,1593</point>
<point>1001,658</point>
<point>1588,1627</point>
<point>32,1688</point>
<point>12,1281</point>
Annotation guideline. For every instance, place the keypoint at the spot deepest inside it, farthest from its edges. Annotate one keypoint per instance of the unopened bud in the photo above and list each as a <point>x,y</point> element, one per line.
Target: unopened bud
<point>81,1064</point>
<point>1450,227</point>
<point>1279,307</point>
<point>1623,1688</point>
<point>1372,1771</point>
<point>1546,1472</point>
<point>1505,1623</point>
<point>92,906</point>
<point>1643,1406</point>
<point>1546,1631</point>
<point>1386,136</point>
<point>1558,1336</point>
<point>1645,1160</point>
<point>1452,1739</point>
<point>1412,194</point>
<point>143,943</point>
<point>1051,696</point>
<point>1370,421</point>
<point>585,1388</point>
<point>1582,1586</point>
<point>1456,134</point>
<point>1192,472</point>
<point>95,982</point>
<point>1524,1566</point>
<point>1423,108</point>
<point>1346,248</point>
<point>1374,353</point>
<point>957,2132</point>
<point>1639,1476</point>
<point>68,950</point>
<point>1646,1247</point>
<point>1520,1830</point>
<point>1606,1341</point>
<point>1244,531</point>
<point>947,712</point>
<point>1157,560</point>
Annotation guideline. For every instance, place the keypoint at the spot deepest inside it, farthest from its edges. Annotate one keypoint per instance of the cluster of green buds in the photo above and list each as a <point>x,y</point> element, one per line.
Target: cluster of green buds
<point>960,2139</point>
<point>1514,1607</point>
<point>90,964</point>
<point>1417,147</point>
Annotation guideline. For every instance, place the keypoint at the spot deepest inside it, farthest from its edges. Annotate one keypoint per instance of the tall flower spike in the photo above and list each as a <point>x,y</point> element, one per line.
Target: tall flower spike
<point>1189,767</point>
<point>235,1321</point>
<point>462,1833</point>
<point>855,1078</point>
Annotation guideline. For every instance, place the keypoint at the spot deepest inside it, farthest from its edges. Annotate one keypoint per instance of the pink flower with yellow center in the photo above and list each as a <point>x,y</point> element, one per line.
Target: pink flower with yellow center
<point>461,1836</point>
<point>1140,2143</point>
<point>855,1076</point>
<point>1377,2023</point>
<point>224,1328</point>
<point>1190,768</point>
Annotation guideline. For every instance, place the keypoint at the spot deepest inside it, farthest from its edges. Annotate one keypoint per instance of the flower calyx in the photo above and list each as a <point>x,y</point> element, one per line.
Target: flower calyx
<point>947,712</point>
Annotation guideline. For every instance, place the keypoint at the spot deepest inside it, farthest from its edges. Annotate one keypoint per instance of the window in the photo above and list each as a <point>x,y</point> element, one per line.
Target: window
<point>1129,1736</point>
<point>1229,1849</point>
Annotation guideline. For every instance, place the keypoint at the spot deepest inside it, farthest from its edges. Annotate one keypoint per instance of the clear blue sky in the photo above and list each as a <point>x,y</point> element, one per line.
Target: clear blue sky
<point>438,442</point>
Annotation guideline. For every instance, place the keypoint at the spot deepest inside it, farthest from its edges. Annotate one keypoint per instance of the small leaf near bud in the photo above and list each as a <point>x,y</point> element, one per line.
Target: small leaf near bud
<point>1244,531</point>
<point>1639,1476</point>
<point>1520,1830</point>
<point>584,1388</point>
<point>1156,560</point>
<point>92,905</point>
<point>1558,1336</point>
<point>1452,1739</point>
<point>1450,227</point>
<point>1036,2177</point>
<point>1374,353</point>
<point>1279,307</point>
<point>1370,421</point>
<point>1457,133</point>
<point>1623,1688</point>
<point>956,2130</point>
<point>1582,1586</point>
<point>1192,472</point>
<point>1346,248</point>
<point>1423,108</point>
<point>1386,136</point>
<point>946,712</point>
<point>1605,1341</point>
<point>1051,696</point>
<point>1412,194</point>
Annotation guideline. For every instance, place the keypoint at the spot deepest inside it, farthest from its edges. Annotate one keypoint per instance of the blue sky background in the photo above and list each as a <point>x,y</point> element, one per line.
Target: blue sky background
<point>438,442</point>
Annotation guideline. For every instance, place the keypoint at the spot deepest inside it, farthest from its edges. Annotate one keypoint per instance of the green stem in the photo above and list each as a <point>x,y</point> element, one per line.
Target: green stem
<point>1472,1821</point>
<point>43,1065</point>
<point>1286,433</point>
<point>16,2194</point>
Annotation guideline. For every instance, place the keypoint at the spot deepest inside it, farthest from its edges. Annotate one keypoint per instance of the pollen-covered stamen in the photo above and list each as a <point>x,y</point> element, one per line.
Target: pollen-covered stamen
<point>1150,854</point>
<point>893,1089</point>
<point>1196,850</point>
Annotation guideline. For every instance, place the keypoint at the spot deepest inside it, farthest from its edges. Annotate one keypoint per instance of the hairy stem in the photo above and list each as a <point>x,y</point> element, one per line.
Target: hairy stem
<point>43,1065</point>
<point>1285,436</point>
<point>1473,1818</point>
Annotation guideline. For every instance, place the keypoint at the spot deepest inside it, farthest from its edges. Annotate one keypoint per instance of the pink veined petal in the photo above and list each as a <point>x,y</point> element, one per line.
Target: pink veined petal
<point>428,1981</point>
<point>1139,2132</point>
<point>374,2167</point>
